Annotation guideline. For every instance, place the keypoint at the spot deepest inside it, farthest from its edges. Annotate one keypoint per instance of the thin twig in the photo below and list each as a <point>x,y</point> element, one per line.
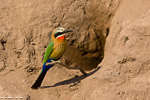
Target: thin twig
<point>76,68</point>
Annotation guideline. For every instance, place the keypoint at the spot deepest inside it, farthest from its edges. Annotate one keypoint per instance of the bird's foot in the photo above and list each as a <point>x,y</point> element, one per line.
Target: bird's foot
<point>58,61</point>
<point>53,62</point>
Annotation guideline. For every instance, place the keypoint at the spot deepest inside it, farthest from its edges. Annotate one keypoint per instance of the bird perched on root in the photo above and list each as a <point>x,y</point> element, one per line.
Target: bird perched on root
<point>54,51</point>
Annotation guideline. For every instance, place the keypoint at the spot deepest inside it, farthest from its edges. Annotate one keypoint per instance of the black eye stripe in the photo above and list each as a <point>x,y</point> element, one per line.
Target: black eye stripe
<point>57,34</point>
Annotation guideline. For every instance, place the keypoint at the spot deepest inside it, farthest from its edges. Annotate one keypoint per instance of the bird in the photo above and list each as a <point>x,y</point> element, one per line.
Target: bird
<point>54,52</point>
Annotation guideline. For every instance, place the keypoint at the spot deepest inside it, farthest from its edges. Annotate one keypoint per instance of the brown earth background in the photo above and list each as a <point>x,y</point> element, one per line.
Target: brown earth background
<point>111,41</point>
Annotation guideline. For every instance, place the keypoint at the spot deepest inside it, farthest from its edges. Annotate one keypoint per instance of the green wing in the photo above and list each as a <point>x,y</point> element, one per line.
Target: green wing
<point>48,51</point>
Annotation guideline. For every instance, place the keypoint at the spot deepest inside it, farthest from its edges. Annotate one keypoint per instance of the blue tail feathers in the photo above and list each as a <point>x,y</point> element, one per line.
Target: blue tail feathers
<point>39,80</point>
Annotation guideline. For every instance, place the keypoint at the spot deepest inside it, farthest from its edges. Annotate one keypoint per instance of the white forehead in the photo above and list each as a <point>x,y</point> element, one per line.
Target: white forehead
<point>60,29</point>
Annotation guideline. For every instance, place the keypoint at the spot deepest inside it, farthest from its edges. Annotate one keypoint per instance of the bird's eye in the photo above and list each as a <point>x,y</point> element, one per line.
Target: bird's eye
<point>57,34</point>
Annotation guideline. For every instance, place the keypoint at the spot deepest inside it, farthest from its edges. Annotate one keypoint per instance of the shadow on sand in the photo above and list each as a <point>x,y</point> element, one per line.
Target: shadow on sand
<point>75,80</point>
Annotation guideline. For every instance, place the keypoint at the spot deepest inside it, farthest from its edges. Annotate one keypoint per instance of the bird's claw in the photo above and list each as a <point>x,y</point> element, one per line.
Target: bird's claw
<point>52,62</point>
<point>55,62</point>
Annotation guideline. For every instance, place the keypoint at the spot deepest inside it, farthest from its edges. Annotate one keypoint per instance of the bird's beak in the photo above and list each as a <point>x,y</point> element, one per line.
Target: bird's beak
<point>66,31</point>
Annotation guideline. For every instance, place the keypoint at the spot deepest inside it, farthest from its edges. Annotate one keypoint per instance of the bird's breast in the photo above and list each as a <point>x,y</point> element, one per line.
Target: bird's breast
<point>59,49</point>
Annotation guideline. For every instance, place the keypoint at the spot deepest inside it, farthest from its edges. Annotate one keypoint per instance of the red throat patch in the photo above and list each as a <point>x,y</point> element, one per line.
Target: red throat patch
<point>61,37</point>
